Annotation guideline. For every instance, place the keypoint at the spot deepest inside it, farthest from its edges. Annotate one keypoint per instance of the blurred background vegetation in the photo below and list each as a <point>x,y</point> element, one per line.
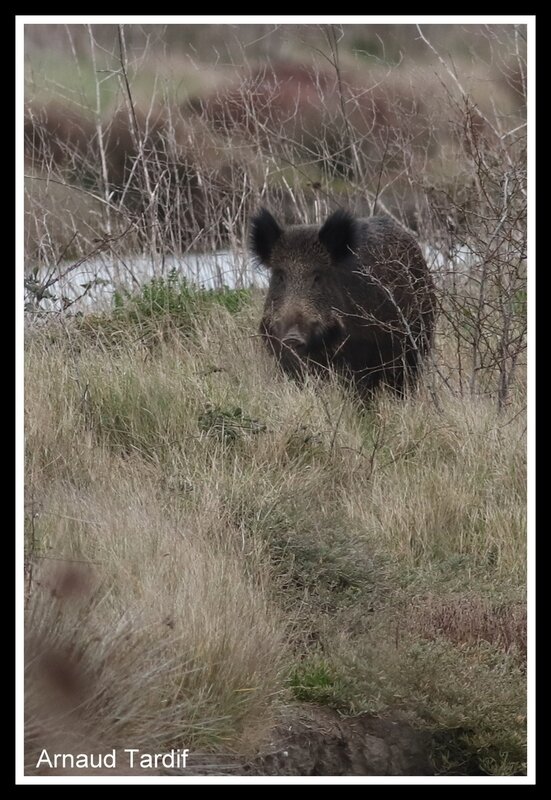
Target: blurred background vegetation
<point>153,119</point>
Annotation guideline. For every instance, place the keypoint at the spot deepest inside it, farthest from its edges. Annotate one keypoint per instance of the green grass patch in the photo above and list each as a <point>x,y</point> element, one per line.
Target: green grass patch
<point>161,308</point>
<point>314,681</point>
<point>175,297</point>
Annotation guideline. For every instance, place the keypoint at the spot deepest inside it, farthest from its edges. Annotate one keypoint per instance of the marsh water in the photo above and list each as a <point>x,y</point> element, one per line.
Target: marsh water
<point>92,283</point>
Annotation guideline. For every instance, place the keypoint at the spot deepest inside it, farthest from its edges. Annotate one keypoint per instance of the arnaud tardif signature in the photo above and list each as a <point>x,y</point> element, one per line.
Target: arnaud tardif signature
<point>128,757</point>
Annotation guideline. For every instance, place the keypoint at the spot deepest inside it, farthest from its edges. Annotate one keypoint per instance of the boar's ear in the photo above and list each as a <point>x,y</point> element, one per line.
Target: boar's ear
<point>264,234</point>
<point>339,234</point>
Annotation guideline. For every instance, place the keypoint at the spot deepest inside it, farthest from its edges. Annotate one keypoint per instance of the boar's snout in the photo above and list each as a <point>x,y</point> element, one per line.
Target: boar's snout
<point>294,339</point>
<point>311,337</point>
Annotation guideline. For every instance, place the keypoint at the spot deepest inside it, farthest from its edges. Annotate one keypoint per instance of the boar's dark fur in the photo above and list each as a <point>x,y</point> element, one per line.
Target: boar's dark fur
<point>355,295</point>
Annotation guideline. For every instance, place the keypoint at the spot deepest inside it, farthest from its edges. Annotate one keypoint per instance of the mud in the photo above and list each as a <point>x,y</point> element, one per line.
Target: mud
<point>320,742</point>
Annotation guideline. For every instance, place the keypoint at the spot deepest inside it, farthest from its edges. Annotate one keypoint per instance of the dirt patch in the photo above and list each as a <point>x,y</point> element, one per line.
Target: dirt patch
<point>321,742</point>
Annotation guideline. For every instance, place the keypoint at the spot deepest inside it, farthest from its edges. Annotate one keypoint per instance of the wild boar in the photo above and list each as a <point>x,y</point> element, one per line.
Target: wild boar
<point>354,295</point>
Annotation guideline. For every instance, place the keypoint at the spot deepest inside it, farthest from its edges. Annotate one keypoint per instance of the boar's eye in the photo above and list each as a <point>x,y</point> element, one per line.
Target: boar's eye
<point>278,277</point>
<point>317,278</point>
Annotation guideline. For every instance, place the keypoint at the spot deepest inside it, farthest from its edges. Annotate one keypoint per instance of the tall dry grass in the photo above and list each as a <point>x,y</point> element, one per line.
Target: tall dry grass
<point>170,633</point>
<point>218,526</point>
